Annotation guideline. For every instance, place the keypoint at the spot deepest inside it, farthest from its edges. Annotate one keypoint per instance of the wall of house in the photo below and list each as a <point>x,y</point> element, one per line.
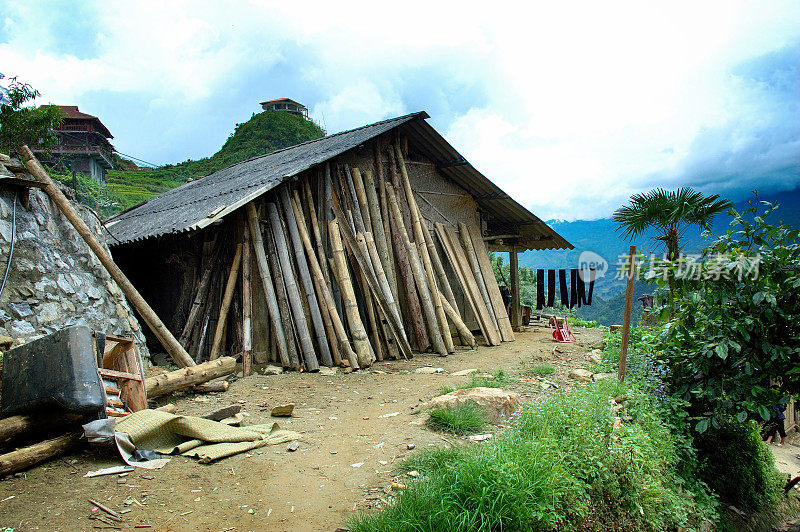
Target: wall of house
<point>54,279</point>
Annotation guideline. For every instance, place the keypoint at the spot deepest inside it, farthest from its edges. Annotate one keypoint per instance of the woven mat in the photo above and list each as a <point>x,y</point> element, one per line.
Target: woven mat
<point>193,436</point>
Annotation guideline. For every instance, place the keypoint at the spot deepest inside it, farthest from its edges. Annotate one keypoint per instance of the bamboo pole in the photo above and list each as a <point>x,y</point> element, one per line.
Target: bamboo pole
<point>384,215</point>
<point>420,236</point>
<point>337,328</point>
<point>361,198</point>
<point>626,318</point>
<point>506,331</point>
<point>292,290</point>
<point>227,299</point>
<point>349,192</point>
<point>247,302</point>
<point>364,264</point>
<point>384,284</point>
<point>283,302</point>
<point>357,331</point>
<point>165,337</point>
<point>266,282</point>
<point>200,295</point>
<point>316,230</point>
<point>420,277</point>
<point>378,234</point>
<point>463,331</point>
<point>472,259</point>
<point>305,278</point>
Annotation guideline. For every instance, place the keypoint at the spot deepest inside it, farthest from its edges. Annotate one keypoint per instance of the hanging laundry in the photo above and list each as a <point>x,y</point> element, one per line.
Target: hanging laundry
<point>573,288</point>
<point>551,287</point>
<point>584,295</point>
<point>562,284</point>
<point>539,289</point>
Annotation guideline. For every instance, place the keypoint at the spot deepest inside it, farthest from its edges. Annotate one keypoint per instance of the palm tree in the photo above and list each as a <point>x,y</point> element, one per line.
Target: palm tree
<point>668,212</point>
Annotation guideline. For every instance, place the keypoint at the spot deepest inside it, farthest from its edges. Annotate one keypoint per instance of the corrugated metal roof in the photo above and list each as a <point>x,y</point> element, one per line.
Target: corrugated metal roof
<point>199,203</point>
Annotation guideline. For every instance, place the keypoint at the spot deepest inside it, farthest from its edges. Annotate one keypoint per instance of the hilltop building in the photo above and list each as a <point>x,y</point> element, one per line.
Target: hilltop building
<point>83,142</point>
<point>286,105</point>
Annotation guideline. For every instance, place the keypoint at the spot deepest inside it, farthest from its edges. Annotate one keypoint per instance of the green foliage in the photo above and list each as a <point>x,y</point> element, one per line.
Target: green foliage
<point>731,336</point>
<point>541,369</point>
<point>562,466</point>
<point>737,465</point>
<point>527,278</point>
<point>89,192</point>
<point>463,418</point>
<point>22,124</point>
<point>499,379</point>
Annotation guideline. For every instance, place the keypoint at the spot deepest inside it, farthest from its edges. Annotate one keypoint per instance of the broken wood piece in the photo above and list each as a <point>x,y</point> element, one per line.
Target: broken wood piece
<point>187,377</point>
<point>463,331</point>
<point>207,387</point>
<point>19,425</point>
<point>37,453</point>
<point>106,509</point>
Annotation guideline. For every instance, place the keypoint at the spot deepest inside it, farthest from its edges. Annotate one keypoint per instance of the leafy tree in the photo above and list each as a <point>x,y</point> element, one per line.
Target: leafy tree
<point>669,212</point>
<point>22,124</point>
<point>737,326</point>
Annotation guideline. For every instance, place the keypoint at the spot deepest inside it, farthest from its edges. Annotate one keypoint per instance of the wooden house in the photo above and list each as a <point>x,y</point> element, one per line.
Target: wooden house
<point>391,257</point>
<point>285,105</point>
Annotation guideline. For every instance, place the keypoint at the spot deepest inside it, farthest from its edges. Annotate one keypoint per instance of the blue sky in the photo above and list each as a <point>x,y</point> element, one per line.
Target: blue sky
<point>569,107</point>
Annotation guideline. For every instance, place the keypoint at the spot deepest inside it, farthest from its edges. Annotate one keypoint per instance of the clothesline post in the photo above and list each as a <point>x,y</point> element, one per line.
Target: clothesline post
<point>514,313</point>
<point>626,318</point>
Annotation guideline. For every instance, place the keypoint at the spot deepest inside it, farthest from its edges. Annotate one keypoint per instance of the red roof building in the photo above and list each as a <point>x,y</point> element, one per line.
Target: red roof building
<point>285,105</point>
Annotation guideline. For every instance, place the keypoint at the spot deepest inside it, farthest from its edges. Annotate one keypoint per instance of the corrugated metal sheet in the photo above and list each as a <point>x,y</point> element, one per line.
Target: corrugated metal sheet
<point>199,203</point>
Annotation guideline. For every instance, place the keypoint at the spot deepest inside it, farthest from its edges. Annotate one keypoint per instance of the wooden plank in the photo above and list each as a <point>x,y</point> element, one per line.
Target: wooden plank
<point>112,373</point>
<point>472,260</point>
<point>506,331</point>
<point>515,312</point>
<point>283,303</point>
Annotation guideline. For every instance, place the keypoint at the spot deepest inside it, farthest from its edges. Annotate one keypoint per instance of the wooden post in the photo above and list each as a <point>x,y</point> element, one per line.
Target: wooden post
<point>227,299</point>
<point>626,318</point>
<point>283,302</point>
<point>266,283</point>
<point>387,290</point>
<point>305,278</point>
<point>247,302</point>
<point>514,313</point>
<point>165,337</point>
<point>463,330</point>
<point>506,332</point>
<point>472,258</point>
<point>292,290</point>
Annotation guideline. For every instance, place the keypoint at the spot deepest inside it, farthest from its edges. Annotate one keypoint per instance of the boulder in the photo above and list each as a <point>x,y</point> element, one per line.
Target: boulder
<point>498,404</point>
<point>596,356</point>
<point>283,410</point>
<point>580,374</point>
<point>272,370</point>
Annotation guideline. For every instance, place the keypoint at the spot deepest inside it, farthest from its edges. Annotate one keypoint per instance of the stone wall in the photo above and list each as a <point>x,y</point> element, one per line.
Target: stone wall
<point>55,280</point>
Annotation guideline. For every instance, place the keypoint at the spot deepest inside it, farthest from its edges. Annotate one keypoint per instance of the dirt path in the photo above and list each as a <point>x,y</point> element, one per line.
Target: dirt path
<point>314,488</point>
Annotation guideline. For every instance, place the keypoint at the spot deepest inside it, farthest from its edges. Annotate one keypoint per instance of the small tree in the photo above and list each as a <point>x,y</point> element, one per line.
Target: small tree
<point>22,124</point>
<point>737,326</point>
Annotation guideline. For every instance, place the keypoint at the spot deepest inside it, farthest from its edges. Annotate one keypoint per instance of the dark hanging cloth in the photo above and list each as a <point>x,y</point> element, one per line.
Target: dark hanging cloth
<point>562,284</point>
<point>539,289</point>
<point>551,287</point>
<point>581,288</point>
<point>592,274</point>
<point>573,288</point>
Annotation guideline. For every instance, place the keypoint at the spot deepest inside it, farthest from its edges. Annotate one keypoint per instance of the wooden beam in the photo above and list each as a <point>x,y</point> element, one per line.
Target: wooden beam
<point>514,313</point>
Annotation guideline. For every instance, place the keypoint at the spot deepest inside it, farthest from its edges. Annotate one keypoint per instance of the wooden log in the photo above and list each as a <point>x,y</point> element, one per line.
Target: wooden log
<point>446,290</point>
<point>208,387</point>
<point>378,234</point>
<point>352,199</point>
<point>337,334</point>
<point>227,299</point>
<point>199,298</point>
<point>463,331</point>
<point>169,408</point>
<point>247,301</point>
<point>316,231</point>
<point>361,198</point>
<point>420,278</point>
<point>283,303</point>
<point>420,235</point>
<point>369,303</point>
<point>515,314</point>
<point>266,283</point>
<point>20,425</point>
<point>359,334</point>
<point>35,454</point>
<point>164,336</point>
<point>389,266</point>
<point>292,290</point>
<point>626,318</point>
<point>185,378</point>
<point>305,278</point>
<point>386,289</point>
<point>472,259</point>
<point>506,331</point>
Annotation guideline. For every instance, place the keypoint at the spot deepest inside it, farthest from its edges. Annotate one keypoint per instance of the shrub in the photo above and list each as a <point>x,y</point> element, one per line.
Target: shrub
<point>463,418</point>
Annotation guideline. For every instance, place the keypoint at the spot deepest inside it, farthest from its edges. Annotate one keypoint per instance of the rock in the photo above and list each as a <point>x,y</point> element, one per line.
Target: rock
<point>429,370</point>
<point>479,437</point>
<point>580,374</point>
<point>596,356</point>
<point>496,403</point>
<point>601,376</point>
<point>283,410</point>
<point>328,372</point>
<point>410,446</point>
<point>65,285</point>
<point>464,372</point>
<point>6,342</point>
<point>48,312</point>
<point>413,474</point>
<point>21,328</point>
<point>20,309</point>
<point>293,446</point>
<point>272,370</point>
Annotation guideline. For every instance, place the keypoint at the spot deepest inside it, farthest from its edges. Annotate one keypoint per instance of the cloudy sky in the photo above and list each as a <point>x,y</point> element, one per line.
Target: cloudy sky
<point>568,106</point>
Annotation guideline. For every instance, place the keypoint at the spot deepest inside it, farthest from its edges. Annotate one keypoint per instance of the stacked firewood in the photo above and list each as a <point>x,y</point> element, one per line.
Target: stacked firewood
<point>349,271</point>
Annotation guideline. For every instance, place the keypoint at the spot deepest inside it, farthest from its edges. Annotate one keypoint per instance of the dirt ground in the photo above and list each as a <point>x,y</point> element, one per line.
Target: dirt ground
<point>343,421</point>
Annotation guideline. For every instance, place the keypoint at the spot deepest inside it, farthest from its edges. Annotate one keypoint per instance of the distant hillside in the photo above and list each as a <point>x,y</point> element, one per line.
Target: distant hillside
<point>264,133</point>
<point>601,237</point>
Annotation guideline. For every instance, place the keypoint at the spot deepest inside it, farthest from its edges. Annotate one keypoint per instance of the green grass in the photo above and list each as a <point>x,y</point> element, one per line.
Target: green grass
<point>541,369</point>
<point>461,419</point>
<point>499,379</point>
<point>560,467</point>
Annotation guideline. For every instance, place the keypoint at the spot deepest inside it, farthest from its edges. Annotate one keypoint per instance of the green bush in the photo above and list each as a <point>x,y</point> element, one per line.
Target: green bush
<point>463,418</point>
<point>736,464</point>
<point>562,466</point>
